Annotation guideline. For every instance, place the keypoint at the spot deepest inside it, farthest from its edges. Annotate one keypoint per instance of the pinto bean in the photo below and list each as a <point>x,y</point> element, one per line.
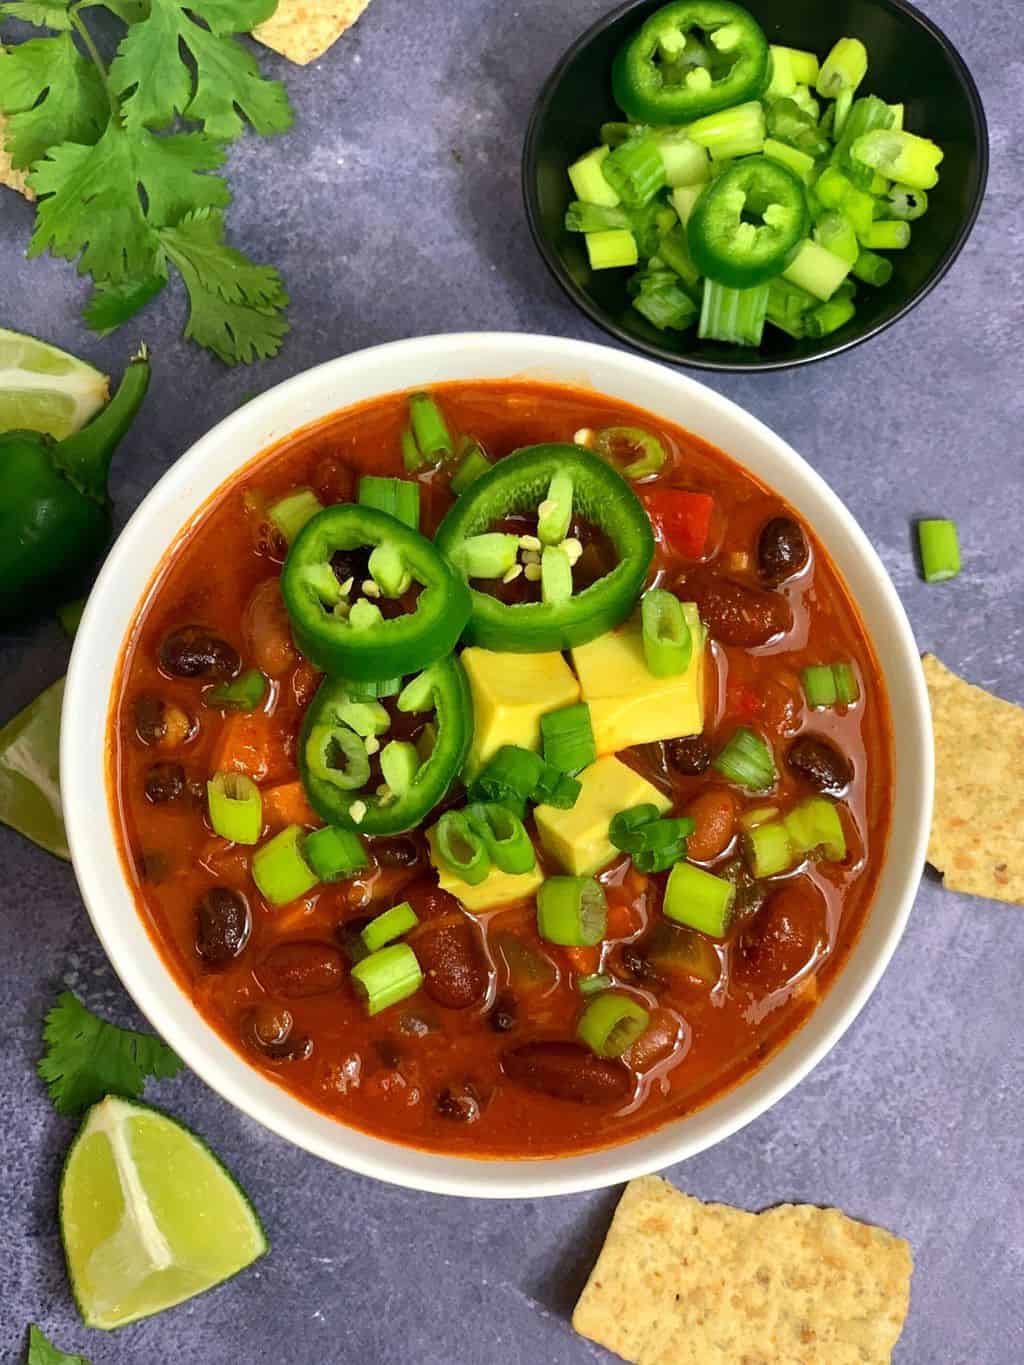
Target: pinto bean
<point>455,970</point>
<point>736,614</point>
<point>781,550</point>
<point>819,763</point>
<point>296,970</point>
<point>267,630</point>
<point>195,652</point>
<point>567,1071</point>
<point>714,816</point>
<point>161,724</point>
<point>269,1028</point>
<point>223,925</point>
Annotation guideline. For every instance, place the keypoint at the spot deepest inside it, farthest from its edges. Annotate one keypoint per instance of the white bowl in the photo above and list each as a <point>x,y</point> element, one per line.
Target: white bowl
<point>171,507</point>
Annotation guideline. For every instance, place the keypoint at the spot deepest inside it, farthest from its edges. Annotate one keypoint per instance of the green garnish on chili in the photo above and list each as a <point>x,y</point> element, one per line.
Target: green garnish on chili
<point>335,776</point>
<point>520,485</point>
<point>747,225</point>
<point>369,647</point>
<point>666,74</point>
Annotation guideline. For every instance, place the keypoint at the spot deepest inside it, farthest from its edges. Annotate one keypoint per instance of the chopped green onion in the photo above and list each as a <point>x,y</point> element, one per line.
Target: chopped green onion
<point>904,157</point>
<point>835,233</point>
<point>770,848</point>
<point>556,789</point>
<point>890,234</point>
<point>872,269</point>
<point>636,170</point>
<point>800,163</point>
<point>428,428</point>
<point>472,464</point>
<point>738,131</point>
<point>699,899</point>
<point>489,555</point>
<point>684,162</point>
<point>388,570</point>
<point>816,270</point>
<point>243,693</point>
<point>843,69</point>
<point>906,204</point>
<point>683,201</point>
<point>572,911</point>
<point>508,778</point>
<point>280,871</point>
<point>400,498</point>
<point>588,178</point>
<point>461,848</point>
<point>804,65</point>
<point>614,134</point>
<point>734,315</point>
<point>292,512</point>
<point>758,815</point>
<point>387,976</point>
<point>746,760</point>
<point>611,1023</point>
<point>783,81</point>
<point>364,717</point>
<point>567,738</point>
<point>627,823</point>
<point>504,836</point>
<point>841,112</point>
<point>866,115</point>
<point>611,249</point>
<point>659,859</point>
<point>830,316</point>
<point>554,515</point>
<point>815,824</point>
<point>819,684</point>
<point>803,99</point>
<point>581,217</point>
<point>596,981</point>
<point>940,550</point>
<point>555,574</point>
<point>390,925</point>
<point>236,807</point>
<point>334,853</point>
<point>659,297</point>
<point>370,691</point>
<point>643,453</point>
<point>674,250</point>
<point>667,640</point>
<point>399,764</point>
<point>789,307</point>
<point>411,457</point>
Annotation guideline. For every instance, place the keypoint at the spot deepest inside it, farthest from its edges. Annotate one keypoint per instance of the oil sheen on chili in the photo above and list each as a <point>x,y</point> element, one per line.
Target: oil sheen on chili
<point>487,1056</point>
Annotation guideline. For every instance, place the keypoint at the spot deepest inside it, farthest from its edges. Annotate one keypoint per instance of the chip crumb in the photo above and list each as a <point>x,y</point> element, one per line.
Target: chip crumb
<point>979,787</point>
<point>303,30</point>
<point>679,1282</point>
<point>15,180</point>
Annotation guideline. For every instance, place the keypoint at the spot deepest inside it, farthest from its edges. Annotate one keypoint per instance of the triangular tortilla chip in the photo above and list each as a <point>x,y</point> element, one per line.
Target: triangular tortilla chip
<point>679,1282</point>
<point>303,30</point>
<point>977,839</point>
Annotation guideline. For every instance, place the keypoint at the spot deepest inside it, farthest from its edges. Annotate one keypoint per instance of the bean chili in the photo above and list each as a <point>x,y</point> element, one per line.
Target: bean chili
<point>484,1059</point>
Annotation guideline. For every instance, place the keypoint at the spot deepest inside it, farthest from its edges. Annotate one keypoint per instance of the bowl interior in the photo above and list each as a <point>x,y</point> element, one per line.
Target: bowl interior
<point>909,61</point>
<point>167,512</point>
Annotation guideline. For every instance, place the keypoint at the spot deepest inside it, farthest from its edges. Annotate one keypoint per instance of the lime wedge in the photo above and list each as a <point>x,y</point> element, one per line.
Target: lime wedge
<point>43,389</point>
<point>149,1216</point>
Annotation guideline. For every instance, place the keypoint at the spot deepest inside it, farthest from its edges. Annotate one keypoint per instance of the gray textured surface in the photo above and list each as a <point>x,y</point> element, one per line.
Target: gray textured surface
<point>394,209</point>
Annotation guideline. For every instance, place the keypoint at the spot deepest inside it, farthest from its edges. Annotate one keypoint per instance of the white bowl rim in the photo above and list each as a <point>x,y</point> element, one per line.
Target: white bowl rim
<point>125,578</point>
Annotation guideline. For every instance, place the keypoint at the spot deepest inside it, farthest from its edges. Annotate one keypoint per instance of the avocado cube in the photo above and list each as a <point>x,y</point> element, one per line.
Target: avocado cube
<point>510,694</point>
<point>578,839</point>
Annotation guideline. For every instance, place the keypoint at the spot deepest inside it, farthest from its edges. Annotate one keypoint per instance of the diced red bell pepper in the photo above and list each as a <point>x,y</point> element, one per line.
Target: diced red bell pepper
<point>681,519</point>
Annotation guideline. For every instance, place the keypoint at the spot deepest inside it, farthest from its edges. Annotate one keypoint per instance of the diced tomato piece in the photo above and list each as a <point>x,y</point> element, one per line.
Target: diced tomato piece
<point>681,519</point>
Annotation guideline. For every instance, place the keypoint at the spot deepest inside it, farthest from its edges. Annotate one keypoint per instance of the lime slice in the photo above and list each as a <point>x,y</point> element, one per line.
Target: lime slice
<point>149,1216</point>
<point>43,389</point>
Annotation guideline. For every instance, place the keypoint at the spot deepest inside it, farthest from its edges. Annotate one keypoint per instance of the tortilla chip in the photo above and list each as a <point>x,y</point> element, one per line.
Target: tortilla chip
<point>303,30</point>
<point>977,839</point>
<point>17,180</point>
<point>679,1282</point>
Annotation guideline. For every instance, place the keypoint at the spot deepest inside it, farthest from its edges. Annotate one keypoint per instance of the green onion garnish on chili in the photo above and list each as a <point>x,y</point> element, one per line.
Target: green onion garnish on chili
<point>334,853</point>
<point>392,924</point>
<point>400,498</point>
<point>292,512</point>
<point>668,643</point>
<point>611,1023</point>
<point>746,760</point>
<point>699,899</point>
<point>596,981</point>
<point>280,870</point>
<point>940,550</point>
<point>567,738</point>
<point>387,976</point>
<point>504,836</point>
<point>243,693</point>
<point>572,911</point>
<point>461,847</point>
<point>236,807</point>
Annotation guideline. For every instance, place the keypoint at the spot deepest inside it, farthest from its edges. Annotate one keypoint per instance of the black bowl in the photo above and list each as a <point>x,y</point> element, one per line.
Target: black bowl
<point>910,60</point>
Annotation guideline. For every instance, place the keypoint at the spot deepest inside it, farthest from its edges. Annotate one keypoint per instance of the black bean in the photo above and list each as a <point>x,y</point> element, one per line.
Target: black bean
<point>819,763</point>
<point>195,652</point>
<point>400,850</point>
<point>269,1029</point>
<point>223,925</point>
<point>459,1103</point>
<point>781,550</point>
<point>690,756</point>
<point>165,782</point>
<point>639,966</point>
<point>150,721</point>
<point>502,1017</point>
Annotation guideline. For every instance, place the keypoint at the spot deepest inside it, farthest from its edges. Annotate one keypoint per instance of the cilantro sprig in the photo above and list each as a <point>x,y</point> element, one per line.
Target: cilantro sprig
<point>122,159</point>
<point>86,1058</point>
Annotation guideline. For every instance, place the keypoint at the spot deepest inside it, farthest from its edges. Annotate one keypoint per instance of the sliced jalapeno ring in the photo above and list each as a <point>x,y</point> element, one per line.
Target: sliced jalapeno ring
<point>747,224</point>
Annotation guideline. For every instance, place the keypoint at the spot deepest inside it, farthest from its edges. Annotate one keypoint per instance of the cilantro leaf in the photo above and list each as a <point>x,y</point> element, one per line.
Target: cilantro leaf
<point>43,1352</point>
<point>51,94</point>
<point>233,16</point>
<point>42,13</point>
<point>157,84</point>
<point>113,304</point>
<point>87,1058</point>
<point>130,11</point>
<point>236,307</point>
<point>90,203</point>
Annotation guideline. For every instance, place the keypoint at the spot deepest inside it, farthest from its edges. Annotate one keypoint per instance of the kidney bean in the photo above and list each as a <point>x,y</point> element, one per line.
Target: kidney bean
<point>714,817</point>
<point>455,972</point>
<point>690,756</point>
<point>223,925</point>
<point>195,652</point>
<point>296,970</point>
<point>781,550</point>
<point>783,937</point>
<point>819,763</point>
<point>567,1071</point>
<point>267,630</point>
<point>165,782</point>
<point>736,614</point>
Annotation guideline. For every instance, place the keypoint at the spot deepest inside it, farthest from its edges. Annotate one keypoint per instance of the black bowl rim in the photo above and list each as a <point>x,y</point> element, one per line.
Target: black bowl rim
<point>583,301</point>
